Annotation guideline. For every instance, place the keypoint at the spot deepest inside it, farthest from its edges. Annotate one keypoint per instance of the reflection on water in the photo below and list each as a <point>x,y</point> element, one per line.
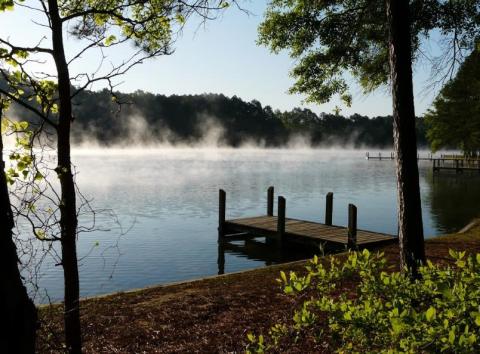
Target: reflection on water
<point>169,199</point>
<point>262,251</point>
<point>454,199</point>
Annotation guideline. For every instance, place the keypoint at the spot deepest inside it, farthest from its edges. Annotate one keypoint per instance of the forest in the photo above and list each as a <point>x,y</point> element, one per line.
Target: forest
<point>215,119</point>
<point>143,117</point>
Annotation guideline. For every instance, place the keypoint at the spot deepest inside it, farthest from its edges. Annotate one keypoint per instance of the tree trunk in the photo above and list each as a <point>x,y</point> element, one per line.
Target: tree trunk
<point>17,311</point>
<point>410,226</point>
<point>68,209</point>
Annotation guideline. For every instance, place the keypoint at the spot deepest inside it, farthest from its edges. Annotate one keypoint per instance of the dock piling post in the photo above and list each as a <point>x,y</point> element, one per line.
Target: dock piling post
<point>329,208</point>
<point>281,219</point>
<point>270,201</point>
<point>221,258</point>
<point>221,213</point>
<point>352,227</point>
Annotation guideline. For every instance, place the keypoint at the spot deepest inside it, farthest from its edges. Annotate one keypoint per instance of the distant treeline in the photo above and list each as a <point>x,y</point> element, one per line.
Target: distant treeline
<point>214,118</point>
<point>231,121</point>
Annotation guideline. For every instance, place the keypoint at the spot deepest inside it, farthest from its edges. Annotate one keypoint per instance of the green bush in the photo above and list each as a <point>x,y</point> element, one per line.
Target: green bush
<point>386,311</point>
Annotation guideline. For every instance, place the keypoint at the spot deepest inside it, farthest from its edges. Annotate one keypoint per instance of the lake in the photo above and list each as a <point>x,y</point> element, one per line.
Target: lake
<point>165,202</point>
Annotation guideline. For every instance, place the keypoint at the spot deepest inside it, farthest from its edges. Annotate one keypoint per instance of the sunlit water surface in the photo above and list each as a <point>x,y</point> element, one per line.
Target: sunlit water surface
<point>166,203</point>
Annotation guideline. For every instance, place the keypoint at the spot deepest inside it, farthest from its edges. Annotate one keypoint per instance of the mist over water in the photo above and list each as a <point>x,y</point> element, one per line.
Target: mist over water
<point>166,198</point>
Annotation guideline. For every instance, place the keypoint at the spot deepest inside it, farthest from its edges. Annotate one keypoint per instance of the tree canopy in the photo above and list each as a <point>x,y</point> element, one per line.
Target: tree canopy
<point>333,40</point>
<point>454,119</point>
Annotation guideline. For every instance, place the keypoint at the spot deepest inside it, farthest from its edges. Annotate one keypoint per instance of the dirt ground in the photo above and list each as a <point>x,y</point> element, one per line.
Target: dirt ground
<point>206,316</point>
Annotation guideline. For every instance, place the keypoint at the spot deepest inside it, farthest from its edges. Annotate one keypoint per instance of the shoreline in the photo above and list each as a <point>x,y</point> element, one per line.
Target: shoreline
<point>475,222</point>
<point>212,314</point>
<point>184,282</point>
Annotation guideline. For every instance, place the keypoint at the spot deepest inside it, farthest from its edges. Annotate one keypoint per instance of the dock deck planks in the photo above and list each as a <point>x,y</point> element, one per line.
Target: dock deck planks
<point>305,230</point>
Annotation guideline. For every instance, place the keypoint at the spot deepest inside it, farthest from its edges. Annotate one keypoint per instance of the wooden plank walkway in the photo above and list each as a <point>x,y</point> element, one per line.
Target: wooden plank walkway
<point>281,229</point>
<point>302,230</point>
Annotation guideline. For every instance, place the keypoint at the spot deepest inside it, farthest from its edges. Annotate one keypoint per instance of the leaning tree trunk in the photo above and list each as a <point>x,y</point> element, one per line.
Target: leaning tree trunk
<point>17,311</point>
<point>410,226</point>
<point>68,209</point>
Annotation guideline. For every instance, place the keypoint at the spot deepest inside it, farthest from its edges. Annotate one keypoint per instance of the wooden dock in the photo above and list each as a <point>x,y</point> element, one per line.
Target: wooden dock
<point>302,230</point>
<point>456,164</point>
<point>282,230</point>
<point>391,156</point>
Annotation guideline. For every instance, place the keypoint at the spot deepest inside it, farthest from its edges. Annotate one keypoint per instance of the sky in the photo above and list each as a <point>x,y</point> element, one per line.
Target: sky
<point>223,57</point>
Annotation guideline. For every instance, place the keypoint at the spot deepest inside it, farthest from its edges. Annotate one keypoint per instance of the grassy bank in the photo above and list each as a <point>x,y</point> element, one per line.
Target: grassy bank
<point>207,316</point>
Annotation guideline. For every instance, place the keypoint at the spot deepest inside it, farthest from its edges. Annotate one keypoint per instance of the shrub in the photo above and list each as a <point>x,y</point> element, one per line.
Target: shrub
<point>387,311</point>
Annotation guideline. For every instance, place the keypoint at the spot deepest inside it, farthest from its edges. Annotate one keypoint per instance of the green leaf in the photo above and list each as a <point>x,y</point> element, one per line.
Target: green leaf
<point>38,176</point>
<point>109,40</point>
<point>397,325</point>
<point>452,253</point>
<point>451,336</point>
<point>430,314</point>
<point>288,289</point>
<point>40,234</point>
<point>6,5</point>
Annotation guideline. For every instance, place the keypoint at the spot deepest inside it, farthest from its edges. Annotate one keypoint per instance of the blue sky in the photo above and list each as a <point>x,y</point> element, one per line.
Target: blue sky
<point>222,57</point>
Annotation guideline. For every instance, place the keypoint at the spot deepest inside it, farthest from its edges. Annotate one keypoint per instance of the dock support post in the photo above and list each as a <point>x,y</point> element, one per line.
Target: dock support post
<point>270,201</point>
<point>281,220</point>
<point>221,213</point>
<point>352,227</point>
<point>221,258</point>
<point>329,209</point>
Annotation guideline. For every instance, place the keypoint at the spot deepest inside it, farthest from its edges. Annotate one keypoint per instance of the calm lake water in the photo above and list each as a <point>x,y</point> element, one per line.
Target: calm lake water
<point>166,203</point>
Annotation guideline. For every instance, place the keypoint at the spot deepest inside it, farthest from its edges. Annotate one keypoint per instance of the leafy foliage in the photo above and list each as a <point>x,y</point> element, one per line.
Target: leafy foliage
<point>22,160</point>
<point>336,40</point>
<point>389,311</point>
<point>454,120</point>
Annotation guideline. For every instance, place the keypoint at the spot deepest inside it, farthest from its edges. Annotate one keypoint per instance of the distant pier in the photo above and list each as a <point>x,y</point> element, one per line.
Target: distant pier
<point>457,163</point>
<point>391,156</point>
<point>280,230</point>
